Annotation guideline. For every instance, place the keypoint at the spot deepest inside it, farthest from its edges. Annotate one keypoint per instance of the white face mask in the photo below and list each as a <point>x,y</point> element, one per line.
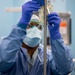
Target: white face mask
<point>33,37</point>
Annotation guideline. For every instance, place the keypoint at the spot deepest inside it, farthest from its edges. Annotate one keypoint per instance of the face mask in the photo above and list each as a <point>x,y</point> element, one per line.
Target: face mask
<point>33,37</point>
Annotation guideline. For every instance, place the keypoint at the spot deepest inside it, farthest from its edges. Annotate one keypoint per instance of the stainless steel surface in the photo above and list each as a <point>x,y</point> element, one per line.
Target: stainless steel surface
<point>45,35</point>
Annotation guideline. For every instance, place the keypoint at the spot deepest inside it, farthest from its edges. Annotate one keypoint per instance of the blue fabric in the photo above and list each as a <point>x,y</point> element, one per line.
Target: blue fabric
<point>41,2</point>
<point>13,58</point>
<point>54,24</point>
<point>27,11</point>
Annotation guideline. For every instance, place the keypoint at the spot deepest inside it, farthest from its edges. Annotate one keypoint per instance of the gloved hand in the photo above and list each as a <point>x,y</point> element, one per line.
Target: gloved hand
<point>41,2</point>
<point>54,24</point>
<point>27,11</point>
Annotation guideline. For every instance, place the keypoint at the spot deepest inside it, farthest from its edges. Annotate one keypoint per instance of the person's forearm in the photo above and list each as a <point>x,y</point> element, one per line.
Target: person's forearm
<point>9,46</point>
<point>62,56</point>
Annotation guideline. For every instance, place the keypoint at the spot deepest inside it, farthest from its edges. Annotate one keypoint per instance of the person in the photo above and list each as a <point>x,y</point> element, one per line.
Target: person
<point>21,52</point>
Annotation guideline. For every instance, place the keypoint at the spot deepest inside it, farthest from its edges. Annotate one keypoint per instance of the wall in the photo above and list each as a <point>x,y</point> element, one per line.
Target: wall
<point>17,15</point>
<point>70,7</point>
<point>6,19</point>
<point>59,5</point>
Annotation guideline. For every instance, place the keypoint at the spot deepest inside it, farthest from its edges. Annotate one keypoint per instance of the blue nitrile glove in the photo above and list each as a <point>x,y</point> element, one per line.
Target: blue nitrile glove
<point>27,11</point>
<point>41,2</point>
<point>54,24</point>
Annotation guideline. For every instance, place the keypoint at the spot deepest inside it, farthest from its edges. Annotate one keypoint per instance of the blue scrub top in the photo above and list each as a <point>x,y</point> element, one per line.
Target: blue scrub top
<point>13,57</point>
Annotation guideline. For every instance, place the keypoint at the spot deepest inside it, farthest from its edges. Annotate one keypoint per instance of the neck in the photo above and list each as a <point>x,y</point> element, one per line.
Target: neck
<point>30,50</point>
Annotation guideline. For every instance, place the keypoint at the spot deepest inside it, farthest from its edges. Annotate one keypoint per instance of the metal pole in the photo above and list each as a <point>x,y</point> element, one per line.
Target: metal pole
<point>45,34</point>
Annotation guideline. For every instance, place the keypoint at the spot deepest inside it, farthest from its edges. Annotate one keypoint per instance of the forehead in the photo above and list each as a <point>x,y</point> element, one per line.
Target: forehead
<point>32,24</point>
